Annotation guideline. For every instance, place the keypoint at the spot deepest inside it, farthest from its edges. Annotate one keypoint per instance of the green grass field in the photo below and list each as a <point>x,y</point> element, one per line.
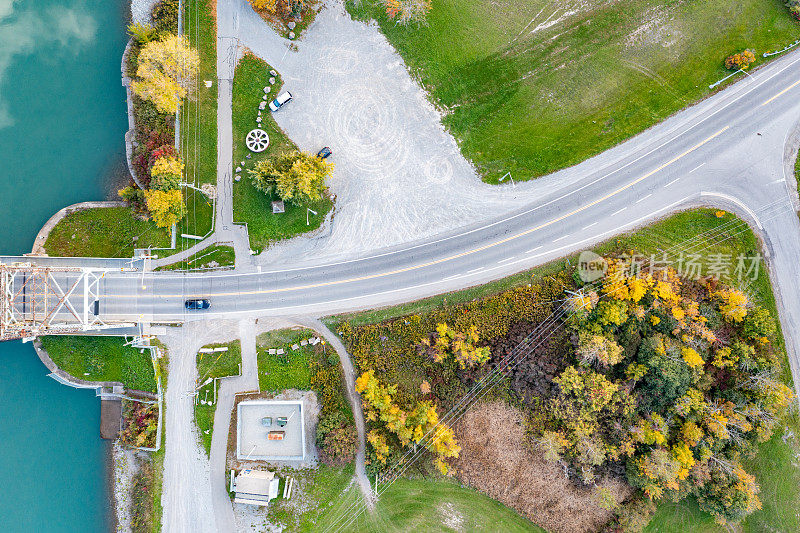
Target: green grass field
<point>408,505</point>
<point>250,205</point>
<point>102,359</point>
<point>532,86</point>
<point>219,364</point>
<point>198,144</point>
<point>209,366</point>
<point>292,370</point>
<point>103,232</point>
<point>199,111</point>
<point>220,255</point>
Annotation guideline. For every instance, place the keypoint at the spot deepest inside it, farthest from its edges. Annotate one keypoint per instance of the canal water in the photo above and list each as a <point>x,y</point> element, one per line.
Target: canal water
<point>62,121</point>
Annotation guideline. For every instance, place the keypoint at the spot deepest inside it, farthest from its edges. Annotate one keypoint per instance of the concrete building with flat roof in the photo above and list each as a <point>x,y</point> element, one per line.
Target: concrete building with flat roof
<point>255,487</point>
<point>270,430</point>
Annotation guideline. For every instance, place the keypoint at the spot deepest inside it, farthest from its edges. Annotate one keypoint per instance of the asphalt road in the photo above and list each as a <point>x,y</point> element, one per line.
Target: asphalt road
<point>734,150</point>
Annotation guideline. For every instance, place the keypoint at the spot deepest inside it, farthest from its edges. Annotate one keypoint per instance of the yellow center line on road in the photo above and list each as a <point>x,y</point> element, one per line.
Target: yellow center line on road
<point>782,92</point>
<point>456,256</point>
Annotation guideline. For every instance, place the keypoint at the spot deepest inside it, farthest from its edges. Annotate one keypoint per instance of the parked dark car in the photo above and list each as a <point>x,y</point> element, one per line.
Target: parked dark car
<point>197,304</point>
<point>325,152</point>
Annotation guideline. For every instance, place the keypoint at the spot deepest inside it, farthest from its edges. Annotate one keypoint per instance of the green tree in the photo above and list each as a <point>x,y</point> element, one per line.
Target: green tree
<point>296,177</point>
<point>731,494</point>
<point>759,324</point>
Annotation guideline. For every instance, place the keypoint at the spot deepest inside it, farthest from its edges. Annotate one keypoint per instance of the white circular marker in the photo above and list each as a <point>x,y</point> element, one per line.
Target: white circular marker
<point>257,140</point>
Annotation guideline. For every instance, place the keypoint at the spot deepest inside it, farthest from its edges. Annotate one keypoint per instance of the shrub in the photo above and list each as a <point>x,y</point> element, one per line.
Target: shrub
<point>132,195</point>
<point>794,8</point>
<point>141,33</point>
<point>634,515</point>
<point>742,60</point>
<point>140,424</point>
<point>165,16</point>
<point>264,5</point>
<point>337,439</point>
<point>406,11</point>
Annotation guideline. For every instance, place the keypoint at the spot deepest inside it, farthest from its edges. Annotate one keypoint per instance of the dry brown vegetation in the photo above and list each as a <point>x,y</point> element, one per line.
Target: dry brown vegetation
<point>495,460</point>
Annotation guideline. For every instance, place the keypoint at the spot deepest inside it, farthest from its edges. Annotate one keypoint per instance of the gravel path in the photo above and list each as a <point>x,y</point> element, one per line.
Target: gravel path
<point>140,10</point>
<point>187,496</point>
<point>355,403</point>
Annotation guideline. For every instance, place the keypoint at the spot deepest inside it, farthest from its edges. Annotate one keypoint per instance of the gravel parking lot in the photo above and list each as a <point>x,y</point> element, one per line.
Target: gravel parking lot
<point>399,175</point>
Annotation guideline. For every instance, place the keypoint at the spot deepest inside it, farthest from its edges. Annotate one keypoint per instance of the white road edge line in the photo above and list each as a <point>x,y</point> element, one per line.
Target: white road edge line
<point>695,168</point>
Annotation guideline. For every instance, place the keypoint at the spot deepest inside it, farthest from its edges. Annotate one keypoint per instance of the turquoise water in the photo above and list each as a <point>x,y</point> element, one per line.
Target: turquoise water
<point>62,121</point>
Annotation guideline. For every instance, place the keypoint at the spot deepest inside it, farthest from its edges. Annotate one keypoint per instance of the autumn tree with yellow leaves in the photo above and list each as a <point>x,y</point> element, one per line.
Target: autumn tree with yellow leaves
<point>419,425</point>
<point>661,351</point>
<point>166,208</point>
<point>166,71</point>
<point>447,343</point>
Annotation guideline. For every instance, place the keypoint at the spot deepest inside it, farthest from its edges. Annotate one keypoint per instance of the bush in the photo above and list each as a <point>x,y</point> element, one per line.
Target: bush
<point>165,16</point>
<point>740,61</point>
<point>141,33</point>
<point>794,8</point>
<point>134,196</point>
<point>634,515</point>
<point>337,439</point>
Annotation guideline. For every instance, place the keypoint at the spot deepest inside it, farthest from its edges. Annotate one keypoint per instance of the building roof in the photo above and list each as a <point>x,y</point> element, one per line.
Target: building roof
<point>270,430</point>
<point>255,487</point>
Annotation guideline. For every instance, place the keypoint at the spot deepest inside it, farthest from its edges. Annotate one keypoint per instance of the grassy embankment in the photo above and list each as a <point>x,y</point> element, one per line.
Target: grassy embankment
<point>102,359</point>
<point>210,366</point>
<point>199,120</point>
<point>408,505</point>
<point>104,232</point>
<point>116,232</point>
<point>529,89</point>
<point>211,257</point>
<point>250,205</point>
<point>774,465</point>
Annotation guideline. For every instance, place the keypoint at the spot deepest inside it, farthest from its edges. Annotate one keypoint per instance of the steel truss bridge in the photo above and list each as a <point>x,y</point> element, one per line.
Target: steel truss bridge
<point>44,300</point>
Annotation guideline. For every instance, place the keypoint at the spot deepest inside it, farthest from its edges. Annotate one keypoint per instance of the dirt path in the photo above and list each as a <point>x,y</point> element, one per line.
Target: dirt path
<point>355,403</point>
